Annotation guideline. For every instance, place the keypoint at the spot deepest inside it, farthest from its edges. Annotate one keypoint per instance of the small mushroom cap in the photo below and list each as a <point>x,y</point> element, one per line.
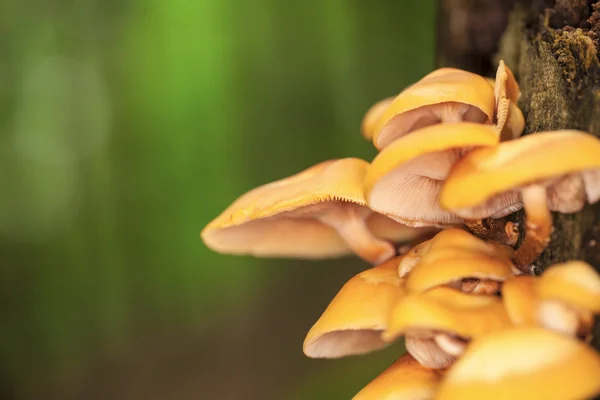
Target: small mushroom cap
<point>372,115</point>
<point>405,379</point>
<point>470,95</point>
<point>451,266</point>
<point>353,321</point>
<point>451,241</point>
<point>520,298</point>
<point>515,123</point>
<point>485,182</point>
<point>280,219</point>
<point>404,180</point>
<point>575,283</point>
<point>523,363</point>
<point>448,310</point>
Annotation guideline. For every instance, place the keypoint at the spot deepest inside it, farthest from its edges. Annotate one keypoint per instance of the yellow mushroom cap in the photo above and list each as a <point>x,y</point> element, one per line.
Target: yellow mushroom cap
<point>451,266</point>
<point>404,180</point>
<point>405,379</point>
<point>575,283</point>
<point>523,363</point>
<point>521,300</point>
<point>451,242</point>
<point>353,321</point>
<point>446,95</point>
<point>448,310</point>
<point>304,216</point>
<point>372,116</point>
<point>485,182</point>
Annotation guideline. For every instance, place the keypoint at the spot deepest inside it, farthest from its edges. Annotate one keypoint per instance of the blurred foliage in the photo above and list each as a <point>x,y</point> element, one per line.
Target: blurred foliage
<point>124,128</point>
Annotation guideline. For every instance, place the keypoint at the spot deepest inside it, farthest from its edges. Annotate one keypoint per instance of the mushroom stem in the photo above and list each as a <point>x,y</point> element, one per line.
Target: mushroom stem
<point>450,344</point>
<point>352,228</point>
<point>426,351</point>
<point>538,226</point>
<point>498,230</point>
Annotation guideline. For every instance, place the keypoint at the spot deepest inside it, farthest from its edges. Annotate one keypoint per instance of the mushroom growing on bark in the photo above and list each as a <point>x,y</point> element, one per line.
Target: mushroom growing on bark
<point>317,213</point>
<point>405,379</point>
<point>523,363</point>
<point>358,314</point>
<point>569,296</point>
<point>544,171</point>
<point>458,259</point>
<point>439,323</point>
<point>445,95</point>
<point>563,299</point>
<point>509,118</point>
<point>405,179</point>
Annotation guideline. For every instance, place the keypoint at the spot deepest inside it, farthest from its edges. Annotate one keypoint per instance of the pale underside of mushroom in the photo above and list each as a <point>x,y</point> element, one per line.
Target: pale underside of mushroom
<point>409,194</point>
<point>424,348</point>
<point>409,121</point>
<point>341,343</point>
<point>326,229</point>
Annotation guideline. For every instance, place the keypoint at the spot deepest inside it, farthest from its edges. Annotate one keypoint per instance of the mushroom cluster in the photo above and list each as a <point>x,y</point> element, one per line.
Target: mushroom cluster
<point>450,273</point>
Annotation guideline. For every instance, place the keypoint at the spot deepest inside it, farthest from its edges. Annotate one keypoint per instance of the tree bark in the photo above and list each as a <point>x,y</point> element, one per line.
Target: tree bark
<point>552,48</point>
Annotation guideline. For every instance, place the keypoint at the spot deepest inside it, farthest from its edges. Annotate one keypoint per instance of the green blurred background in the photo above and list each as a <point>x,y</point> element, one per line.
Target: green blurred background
<point>125,127</point>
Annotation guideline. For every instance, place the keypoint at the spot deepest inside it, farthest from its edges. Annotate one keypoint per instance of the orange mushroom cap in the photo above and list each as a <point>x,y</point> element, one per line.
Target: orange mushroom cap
<point>448,310</point>
<point>317,213</point>
<point>485,182</point>
<point>353,321</point>
<point>523,363</point>
<point>574,283</point>
<point>405,379</point>
<point>453,255</point>
<point>445,95</point>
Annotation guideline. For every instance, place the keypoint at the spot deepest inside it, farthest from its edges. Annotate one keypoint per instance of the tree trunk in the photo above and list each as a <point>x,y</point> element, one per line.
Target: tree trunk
<point>552,47</point>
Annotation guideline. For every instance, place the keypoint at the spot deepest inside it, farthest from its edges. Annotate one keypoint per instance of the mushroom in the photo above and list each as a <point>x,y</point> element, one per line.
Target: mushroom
<point>317,213</point>
<point>404,180</point>
<point>445,95</point>
<point>439,323</point>
<point>563,299</point>
<point>405,379</point>
<point>372,115</point>
<point>523,363</point>
<point>540,172</point>
<point>358,314</point>
<point>569,296</point>
<point>459,259</point>
<point>469,272</point>
<point>507,93</point>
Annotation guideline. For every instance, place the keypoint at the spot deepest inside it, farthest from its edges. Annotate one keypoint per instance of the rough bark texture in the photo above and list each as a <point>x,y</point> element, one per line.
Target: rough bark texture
<point>552,47</point>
